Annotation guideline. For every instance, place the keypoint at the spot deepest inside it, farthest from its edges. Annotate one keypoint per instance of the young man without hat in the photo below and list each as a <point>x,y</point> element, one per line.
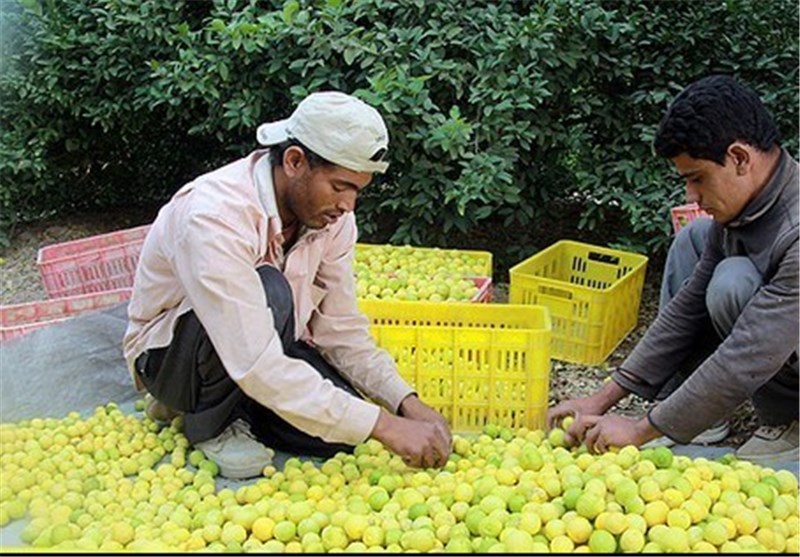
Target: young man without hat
<point>244,314</point>
<point>728,327</point>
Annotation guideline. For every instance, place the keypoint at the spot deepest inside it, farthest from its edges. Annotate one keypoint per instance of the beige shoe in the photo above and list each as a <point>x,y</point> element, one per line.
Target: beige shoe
<point>158,411</point>
<point>662,441</point>
<point>237,452</point>
<point>714,434</point>
<point>772,444</point>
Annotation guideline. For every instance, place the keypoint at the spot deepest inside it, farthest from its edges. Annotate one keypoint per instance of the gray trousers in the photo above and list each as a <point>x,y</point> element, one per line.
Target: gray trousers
<point>734,282</point>
<point>189,376</point>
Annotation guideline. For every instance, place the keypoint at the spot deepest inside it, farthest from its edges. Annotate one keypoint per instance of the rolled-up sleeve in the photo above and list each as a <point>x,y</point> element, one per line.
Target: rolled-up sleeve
<point>215,264</point>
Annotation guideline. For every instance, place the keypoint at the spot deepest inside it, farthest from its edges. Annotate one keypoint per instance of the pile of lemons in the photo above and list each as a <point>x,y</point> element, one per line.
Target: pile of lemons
<point>406,273</point>
<point>114,482</point>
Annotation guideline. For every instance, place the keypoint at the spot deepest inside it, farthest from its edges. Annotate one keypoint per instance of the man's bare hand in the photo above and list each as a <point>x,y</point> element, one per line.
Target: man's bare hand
<point>575,407</point>
<point>600,433</point>
<point>419,443</point>
<point>594,406</point>
<point>412,407</point>
<point>575,433</point>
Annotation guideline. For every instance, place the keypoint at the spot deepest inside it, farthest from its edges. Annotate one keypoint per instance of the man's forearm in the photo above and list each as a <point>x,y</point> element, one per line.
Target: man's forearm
<point>609,395</point>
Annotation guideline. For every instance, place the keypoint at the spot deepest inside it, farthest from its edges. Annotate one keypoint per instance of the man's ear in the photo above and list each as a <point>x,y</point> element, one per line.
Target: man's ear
<point>293,160</point>
<point>742,157</point>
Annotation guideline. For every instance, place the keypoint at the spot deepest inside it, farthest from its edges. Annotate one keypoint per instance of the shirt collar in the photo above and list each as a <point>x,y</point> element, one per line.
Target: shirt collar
<point>265,187</point>
<point>767,197</point>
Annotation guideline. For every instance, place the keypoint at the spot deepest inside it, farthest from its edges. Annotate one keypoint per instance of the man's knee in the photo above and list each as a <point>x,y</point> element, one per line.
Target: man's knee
<point>735,281</point>
<point>693,236</point>
<point>683,255</point>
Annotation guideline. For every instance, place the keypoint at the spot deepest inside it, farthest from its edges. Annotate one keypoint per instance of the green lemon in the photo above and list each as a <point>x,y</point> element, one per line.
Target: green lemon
<point>589,505</point>
<point>662,457</point>
<point>602,542</point>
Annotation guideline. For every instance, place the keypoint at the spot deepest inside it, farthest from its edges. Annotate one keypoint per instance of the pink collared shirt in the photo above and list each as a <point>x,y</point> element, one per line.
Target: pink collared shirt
<point>201,254</point>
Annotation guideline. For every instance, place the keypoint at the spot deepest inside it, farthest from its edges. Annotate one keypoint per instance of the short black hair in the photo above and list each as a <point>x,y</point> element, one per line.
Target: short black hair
<point>709,115</point>
<point>276,154</point>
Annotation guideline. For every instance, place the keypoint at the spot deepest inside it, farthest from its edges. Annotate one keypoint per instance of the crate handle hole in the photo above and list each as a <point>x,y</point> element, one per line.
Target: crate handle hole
<point>555,292</point>
<point>603,258</point>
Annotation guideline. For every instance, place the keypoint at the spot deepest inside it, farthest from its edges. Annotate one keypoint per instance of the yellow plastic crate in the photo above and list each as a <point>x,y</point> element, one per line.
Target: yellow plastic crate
<point>474,363</point>
<point>483,258</point>
<point>593,294</point>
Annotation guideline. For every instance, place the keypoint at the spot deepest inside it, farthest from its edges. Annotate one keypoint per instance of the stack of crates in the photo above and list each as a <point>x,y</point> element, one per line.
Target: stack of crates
<point>78,276</point>
<point>19,319</point>
<point>95,264</point>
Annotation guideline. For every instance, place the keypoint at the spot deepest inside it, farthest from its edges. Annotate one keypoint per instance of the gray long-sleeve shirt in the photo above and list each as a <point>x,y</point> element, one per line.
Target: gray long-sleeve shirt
<point>764,336</point>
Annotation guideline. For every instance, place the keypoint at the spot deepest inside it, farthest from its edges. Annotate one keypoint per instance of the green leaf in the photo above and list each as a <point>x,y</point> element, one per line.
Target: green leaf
<point>34,6</point>
<point>498,112</point>
<point>290,8</point>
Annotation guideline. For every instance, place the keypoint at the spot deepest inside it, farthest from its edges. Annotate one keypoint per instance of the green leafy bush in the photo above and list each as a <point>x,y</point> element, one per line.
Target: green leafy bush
<point>503,115</point>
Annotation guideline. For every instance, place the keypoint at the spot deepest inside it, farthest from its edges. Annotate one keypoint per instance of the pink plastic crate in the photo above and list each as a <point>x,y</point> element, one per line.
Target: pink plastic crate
<point>18,319</point>
<point>485,289</point>
<point>684,214</point>
<point>94,264</point>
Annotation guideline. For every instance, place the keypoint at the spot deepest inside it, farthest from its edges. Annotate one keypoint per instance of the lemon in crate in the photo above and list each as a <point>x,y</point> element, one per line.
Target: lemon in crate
<point>386,272</point>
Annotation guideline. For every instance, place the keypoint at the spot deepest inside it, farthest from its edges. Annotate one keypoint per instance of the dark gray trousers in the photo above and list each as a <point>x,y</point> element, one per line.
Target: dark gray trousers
<point>188,376</point>
<point>734,282</point>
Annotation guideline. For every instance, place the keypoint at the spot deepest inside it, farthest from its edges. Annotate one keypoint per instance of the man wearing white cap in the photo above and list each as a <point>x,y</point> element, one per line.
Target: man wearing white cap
<point>244,314</point>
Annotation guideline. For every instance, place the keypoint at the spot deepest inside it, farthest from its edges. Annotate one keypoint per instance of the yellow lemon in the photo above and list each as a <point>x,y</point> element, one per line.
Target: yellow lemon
<point>578,529</point>
<point>562,544</point>
<point>656,513</point>
<point>746,521</point>
<point>632,541</point>
<point>679,518</point>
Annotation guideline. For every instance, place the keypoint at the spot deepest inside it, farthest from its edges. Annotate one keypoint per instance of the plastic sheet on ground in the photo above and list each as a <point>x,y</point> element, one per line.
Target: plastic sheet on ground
<point>73,365</point>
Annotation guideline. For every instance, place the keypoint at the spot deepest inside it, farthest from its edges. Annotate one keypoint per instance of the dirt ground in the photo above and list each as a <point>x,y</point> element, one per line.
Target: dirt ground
<point>21,283</point>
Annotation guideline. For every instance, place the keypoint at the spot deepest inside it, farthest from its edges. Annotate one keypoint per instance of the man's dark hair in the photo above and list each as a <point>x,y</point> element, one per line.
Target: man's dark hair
<point>709,115</point>
<point>276,154</point>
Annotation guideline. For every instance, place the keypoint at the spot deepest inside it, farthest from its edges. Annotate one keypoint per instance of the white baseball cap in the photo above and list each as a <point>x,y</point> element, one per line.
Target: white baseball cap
<point>339,128</point>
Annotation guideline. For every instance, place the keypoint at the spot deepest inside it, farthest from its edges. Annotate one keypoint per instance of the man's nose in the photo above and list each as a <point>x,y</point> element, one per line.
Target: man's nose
<point>347,203</point>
